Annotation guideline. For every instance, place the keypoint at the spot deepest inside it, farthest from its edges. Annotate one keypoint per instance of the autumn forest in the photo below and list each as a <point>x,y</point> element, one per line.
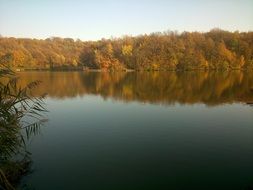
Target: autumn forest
<point>214,50</point>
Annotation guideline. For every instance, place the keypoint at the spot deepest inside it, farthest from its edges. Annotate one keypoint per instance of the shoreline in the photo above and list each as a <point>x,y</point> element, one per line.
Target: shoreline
<point>125,70</point>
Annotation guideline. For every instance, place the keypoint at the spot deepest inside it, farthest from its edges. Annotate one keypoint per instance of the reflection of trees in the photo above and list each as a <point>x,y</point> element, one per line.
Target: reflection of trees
<point>154,87</point>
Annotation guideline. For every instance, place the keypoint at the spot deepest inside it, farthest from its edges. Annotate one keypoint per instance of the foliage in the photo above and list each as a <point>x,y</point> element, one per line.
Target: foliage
<point>19,111</point>
<point>217,49</point>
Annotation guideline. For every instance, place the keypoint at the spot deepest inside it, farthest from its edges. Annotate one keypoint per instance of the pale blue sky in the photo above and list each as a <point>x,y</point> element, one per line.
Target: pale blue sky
<point>95,19</point>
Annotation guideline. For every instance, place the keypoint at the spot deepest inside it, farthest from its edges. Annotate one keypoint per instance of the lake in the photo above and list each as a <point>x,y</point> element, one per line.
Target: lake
<point>143,130</point>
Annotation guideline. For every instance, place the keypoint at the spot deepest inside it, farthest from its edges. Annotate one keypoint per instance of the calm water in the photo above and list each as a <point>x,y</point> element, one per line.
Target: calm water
<point>135,131</point>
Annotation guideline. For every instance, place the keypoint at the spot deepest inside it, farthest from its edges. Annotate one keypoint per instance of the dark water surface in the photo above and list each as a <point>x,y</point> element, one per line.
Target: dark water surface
<point>162,130</point>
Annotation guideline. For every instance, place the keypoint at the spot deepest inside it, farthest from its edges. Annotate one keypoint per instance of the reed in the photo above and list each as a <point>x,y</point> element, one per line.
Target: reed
<point>21,116</point>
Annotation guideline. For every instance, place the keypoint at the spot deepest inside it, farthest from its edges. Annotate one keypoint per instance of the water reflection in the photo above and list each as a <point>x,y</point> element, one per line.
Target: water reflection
<point>210,88</point>
<point>133,146</point>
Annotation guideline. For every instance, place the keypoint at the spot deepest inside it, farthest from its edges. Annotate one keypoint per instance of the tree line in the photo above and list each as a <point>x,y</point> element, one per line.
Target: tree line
<point>213,50</point>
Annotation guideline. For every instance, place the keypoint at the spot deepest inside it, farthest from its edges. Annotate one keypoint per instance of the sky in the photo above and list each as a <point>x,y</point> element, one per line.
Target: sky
<point>96,19</point>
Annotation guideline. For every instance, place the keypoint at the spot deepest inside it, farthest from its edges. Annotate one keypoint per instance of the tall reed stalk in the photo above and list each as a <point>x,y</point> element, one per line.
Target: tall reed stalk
<point>21,116</point>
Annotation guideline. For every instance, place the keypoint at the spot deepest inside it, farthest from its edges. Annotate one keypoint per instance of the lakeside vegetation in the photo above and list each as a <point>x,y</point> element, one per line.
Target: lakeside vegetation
<point>214,50</point>
<point>20,117</point>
